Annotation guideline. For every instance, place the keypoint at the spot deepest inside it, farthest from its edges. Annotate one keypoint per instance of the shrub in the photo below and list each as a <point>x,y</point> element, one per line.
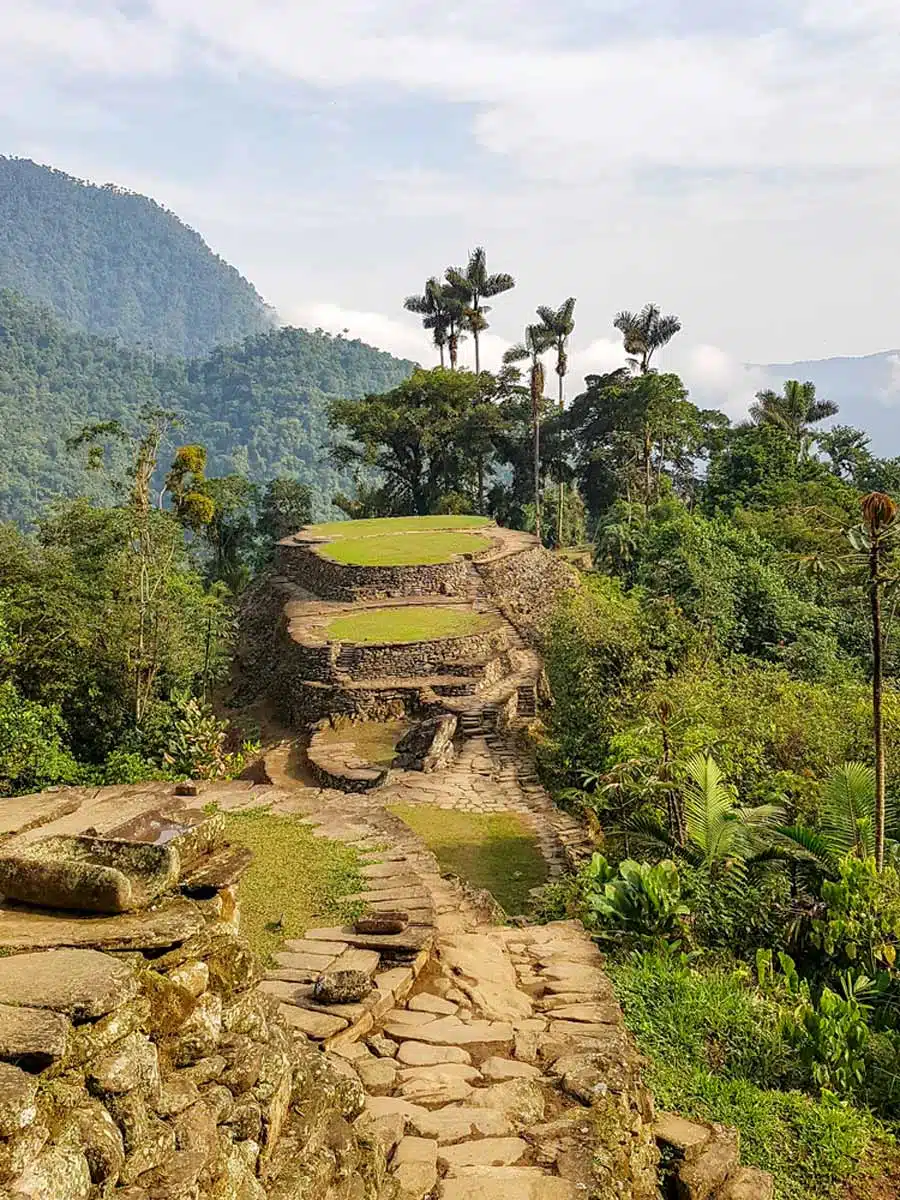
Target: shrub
<point>639,899</point>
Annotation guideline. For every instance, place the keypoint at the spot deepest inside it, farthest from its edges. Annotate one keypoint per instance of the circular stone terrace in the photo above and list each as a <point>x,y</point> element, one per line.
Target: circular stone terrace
<point>401,541</point>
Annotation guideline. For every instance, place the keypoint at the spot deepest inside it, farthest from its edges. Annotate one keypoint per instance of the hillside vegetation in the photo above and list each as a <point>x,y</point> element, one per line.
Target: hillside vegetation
<point>112,262</point>
<point>259,407</point>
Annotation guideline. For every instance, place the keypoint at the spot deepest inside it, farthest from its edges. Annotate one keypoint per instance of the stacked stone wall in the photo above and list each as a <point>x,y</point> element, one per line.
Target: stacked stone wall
<point>332,580</point>
<point>525,586</point>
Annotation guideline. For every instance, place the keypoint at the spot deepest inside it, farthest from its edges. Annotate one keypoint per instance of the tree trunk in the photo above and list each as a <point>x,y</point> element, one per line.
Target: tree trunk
<point>562,486</point>
<point>536,418</point>
<point>441,349</point>
<point>480,463</point>
<point>477,353</point>
<point>648,468</point>
<point>453,347</point>
<point>877,683</point>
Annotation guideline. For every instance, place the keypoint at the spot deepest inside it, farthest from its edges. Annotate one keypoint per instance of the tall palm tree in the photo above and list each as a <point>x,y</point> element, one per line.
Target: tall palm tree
<point>472,284</point>
<point>431,306</point>
<point>560,325</point>
<point>794,410</point>
<point>536,343</point>
<point>644,333</point>
<point>454,309</point>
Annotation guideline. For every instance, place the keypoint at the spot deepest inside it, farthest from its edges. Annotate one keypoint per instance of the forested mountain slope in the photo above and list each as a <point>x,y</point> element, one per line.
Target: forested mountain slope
<point>258,407</point>
<point>113,262</point>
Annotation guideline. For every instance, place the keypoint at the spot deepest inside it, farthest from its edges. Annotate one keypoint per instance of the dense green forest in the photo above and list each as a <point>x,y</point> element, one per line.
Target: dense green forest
<point>725,673</point>
<point>112,262</point>
<point>258,407</point>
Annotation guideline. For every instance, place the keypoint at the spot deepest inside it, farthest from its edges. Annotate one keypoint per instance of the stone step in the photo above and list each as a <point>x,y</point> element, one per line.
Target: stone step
<point>505,1183</point>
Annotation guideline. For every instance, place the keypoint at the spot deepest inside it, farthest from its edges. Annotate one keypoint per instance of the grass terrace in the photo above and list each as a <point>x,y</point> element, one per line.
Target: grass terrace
<point>296,880</point>
<point>406,623</point>
<point>416,548</point>
<point>375,741</point>
<point>382,525</point>
<point>496,851</point>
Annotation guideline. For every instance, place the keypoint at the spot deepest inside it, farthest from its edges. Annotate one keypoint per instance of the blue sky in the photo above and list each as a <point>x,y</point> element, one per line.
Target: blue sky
<point>737,164</point>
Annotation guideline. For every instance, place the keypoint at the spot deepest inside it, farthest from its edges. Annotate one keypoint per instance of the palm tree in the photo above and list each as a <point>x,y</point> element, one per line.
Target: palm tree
<point>644,333</point>
<point>472,284</point>
<point>793,410</point>
<point>847,819</point>
<point>432,308</point>
<point>537,342</point>
<point>872,540</point>
<point>720,834</point>
<point>560,325</point>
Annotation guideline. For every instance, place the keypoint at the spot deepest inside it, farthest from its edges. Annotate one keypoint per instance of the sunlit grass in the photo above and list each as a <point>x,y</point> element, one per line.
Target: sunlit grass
<point>403,549</point>
<point>496,851</point>
<point>410,623</point>
<point>296,881</point>
<point>381,525</point>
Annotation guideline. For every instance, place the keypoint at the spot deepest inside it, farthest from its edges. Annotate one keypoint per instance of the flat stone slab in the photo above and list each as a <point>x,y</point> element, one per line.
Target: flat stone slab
<point>427,1003</point>
<point>505,1183</point>
<point>458,1121</point>
<point>597,1014</point>
<point>313,1024</point>
<point>488,1152</point>
<point>497,1070</point>
<point>308,946</point>
<point>28,928</point>
<point>442,1071</point>
<point>411,940</point>
<point>22,813</point>
<point>448,1031</point>
<point>36,1035</point>
<point>304,962</point>
<point>436,1091</point>
<point>672,1130</point>
<point>83,984</point>
<point>418,1054</point>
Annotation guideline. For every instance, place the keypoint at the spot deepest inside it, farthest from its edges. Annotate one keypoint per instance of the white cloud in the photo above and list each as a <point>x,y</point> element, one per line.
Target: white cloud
<point>403,339</point>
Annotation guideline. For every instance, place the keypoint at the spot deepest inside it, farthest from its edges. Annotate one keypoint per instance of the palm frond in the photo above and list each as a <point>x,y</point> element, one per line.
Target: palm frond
<point>516,353</point>
<point>848,809</point>
<point>495,284</point>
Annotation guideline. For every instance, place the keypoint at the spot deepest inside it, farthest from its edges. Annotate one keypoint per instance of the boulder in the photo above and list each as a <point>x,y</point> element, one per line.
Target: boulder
<point>342,987</point>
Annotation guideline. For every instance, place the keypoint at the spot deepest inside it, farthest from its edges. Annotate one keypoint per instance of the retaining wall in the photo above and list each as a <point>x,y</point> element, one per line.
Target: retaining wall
<point>332,580</point>
<point>525,585</point>
<point>165,1075</point>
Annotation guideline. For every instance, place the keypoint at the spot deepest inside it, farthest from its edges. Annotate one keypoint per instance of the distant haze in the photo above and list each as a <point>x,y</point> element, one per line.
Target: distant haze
<point>867,390</point>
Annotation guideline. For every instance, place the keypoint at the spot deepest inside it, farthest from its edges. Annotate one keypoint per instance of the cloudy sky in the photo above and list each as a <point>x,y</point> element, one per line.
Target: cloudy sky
<point>736,163</point>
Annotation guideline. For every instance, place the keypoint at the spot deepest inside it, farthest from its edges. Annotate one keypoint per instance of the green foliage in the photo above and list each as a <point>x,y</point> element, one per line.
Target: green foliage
<point>719,1052</point>
<point>197,744</point>
<point>831,1035</point>
<point>115,263</point>
<point>33,754</point>
<point>861,924</point>
<point>259,407</point>
<point>640,899</point>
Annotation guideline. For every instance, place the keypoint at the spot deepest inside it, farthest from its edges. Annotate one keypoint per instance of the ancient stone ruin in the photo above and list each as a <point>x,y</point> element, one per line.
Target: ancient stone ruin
<point>428,1050</point>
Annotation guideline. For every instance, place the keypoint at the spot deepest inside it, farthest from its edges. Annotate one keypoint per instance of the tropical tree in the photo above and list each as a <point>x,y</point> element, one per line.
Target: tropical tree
<point>431,306</point>
<point>872,541</point>
<point>560,325</point>
<point>473,285</point>
<point>794,410</point>
<point>719,832</point>
<point>644,333</point>
<point>536,343</point>
<point>847,819</point>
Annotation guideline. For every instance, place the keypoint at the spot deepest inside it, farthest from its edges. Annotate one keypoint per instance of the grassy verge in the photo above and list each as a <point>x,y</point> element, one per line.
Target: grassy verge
<point>496,851</point>
<point>295,881</point>
<point>716,1054</point>
<point>403,549</point>
<point>413,623</point>
<point>375,741</point>
<point>379,525</point>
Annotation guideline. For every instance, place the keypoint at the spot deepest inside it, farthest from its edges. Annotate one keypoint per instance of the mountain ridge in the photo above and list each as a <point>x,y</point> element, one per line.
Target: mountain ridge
<point>113,262</point>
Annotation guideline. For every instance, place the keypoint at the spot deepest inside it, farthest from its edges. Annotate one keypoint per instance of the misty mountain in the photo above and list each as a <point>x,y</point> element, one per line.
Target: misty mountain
<point>867,389</point>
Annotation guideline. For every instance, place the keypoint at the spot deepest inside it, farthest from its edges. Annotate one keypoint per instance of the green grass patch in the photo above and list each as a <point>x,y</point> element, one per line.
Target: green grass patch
<point>411,623</point>
<point>403,549</point>
<point>380,525</point>
<point>375,741</point>
<point>496,851</point>
<point>716,1055</point>
<point>296,881</point>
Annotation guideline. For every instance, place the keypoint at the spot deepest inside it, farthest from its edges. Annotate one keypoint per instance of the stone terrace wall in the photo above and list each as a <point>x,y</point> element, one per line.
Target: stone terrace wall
<point>165,1078</point>
<point>342,581</point>
<point>525,586</point>
<point>408,659</point>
